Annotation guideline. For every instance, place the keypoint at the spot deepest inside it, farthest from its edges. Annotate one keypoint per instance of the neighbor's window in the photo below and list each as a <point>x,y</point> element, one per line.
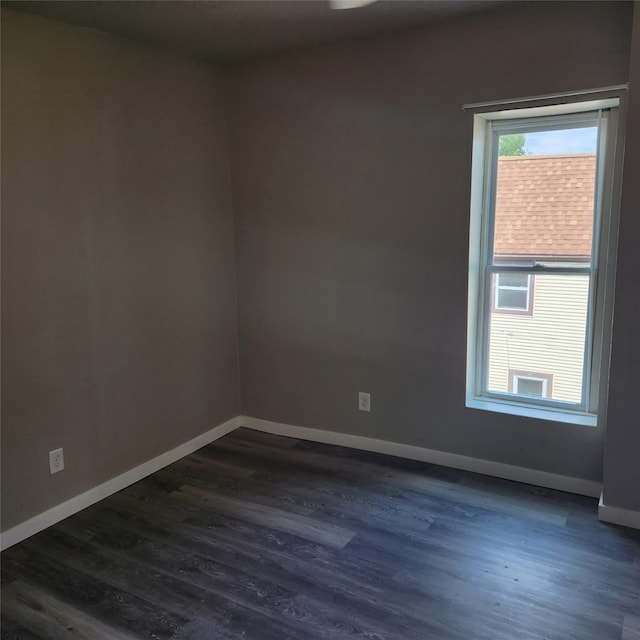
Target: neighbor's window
<point>530,383</point>
<point>535,387</point>
<point>513,292</point>
<point>538,213</point>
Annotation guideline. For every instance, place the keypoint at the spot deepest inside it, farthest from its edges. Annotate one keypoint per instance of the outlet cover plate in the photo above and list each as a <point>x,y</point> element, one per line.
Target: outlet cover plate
<point>364,401</point>
<point>56,460</point>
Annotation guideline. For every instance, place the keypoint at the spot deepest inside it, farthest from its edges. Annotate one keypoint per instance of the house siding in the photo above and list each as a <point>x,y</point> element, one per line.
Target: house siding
<point>550,341</point>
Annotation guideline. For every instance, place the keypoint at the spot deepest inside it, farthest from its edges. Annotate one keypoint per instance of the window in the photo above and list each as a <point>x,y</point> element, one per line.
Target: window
<point>530,387</point>
<point>530,383</point>
<point>541,212</point>
<point>513,292</point>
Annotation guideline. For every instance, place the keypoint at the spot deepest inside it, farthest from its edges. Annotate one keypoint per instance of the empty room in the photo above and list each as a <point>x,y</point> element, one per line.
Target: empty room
<point>320,320</point>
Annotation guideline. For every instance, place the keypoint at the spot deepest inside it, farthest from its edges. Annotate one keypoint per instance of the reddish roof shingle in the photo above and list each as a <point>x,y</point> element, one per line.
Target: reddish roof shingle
<point>544,205</point>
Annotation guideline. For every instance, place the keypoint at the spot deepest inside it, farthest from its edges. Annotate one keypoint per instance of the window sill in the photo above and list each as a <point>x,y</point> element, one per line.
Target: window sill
<point>530,411</point>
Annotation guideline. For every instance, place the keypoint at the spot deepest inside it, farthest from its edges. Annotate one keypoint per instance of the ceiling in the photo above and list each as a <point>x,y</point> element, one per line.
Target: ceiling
<point>232,30</point>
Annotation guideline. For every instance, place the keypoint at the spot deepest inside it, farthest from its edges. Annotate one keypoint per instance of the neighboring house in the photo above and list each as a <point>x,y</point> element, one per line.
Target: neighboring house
<point>544,213</point>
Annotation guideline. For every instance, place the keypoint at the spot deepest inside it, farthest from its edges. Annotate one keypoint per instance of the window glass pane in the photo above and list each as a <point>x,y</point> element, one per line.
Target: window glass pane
<point>529,387</point>
<point>551,340</point>
<point>513,298</point>
<point>544,198</point>
<point>513,280</point>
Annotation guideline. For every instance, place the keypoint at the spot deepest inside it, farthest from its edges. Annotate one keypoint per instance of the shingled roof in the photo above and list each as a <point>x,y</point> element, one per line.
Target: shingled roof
<point>544,206</point>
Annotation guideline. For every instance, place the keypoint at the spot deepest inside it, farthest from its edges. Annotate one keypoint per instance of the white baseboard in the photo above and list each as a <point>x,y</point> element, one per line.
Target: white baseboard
<point>43,520</point>
<point>580,486</point>
<point>477,465</point>
<point>618,515</point>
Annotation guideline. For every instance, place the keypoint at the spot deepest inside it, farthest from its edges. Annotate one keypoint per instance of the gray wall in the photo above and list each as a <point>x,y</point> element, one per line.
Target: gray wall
<point>351,169</point>
<point>622,450</point>
<point>119,333</point>
<point>351,185</point>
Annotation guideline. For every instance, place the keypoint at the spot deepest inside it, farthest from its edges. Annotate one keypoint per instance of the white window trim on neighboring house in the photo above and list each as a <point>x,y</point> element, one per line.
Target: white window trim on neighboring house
<point>507,119</point>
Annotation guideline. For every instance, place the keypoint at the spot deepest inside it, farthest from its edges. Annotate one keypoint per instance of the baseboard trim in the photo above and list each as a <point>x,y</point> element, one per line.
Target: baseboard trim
<point>456,461</point>
<point>43,520</point>
<point>614,515</point>
<point>618,515</point>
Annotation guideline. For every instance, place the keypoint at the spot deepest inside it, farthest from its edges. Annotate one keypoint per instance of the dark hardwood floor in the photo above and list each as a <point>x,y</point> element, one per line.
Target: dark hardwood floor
<point>268,538</point>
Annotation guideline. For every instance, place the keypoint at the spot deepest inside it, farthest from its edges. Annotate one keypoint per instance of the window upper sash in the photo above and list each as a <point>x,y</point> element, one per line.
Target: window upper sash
<point>594,119</point>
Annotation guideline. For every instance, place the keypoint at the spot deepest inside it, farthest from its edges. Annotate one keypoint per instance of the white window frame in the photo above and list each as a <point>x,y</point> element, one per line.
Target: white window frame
<point>591,409</point>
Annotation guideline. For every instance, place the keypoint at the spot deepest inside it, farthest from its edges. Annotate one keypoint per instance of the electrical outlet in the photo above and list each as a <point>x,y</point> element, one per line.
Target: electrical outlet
<point>364,401</point>
<point>56,460</point>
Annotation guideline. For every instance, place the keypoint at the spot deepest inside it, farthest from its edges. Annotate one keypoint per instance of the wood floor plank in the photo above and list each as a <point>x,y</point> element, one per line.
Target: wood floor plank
<point>96,598</point>
<point>195,585</point>
<point>631,627</point>
<point>329,535</point>
<point>11,630</point>
<point>210,467</point>
<point>394,512</point>
<point>377,474</point>
<point>262,597</point>
<point>179,515</point>
<point>265,438</point>
<point>241,488</point>
<point>270,552</point>
<point>51,618</point>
